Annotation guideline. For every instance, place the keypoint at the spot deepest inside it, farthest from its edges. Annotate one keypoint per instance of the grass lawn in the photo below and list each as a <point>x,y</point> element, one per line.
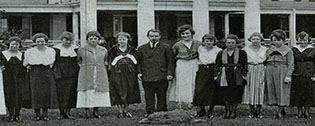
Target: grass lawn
<point>109,118</point>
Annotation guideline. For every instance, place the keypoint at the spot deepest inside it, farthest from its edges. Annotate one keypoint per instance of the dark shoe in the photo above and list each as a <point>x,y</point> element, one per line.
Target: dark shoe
<point>227,116</point>
<point>251,115</point>
<point>37,118</point>
<point>279,115</point>
<point>46,118</point>
<point>283,112</point>
<point>259,115</point>
<point>200,114</point>
<point>97,115</point>
<point>121,115</point>
<point>17,119</point>
<point>11,119</point>
<point>233,115</point>
<point>210,115</point>
<point>128,114</point>
<point>307,116</point>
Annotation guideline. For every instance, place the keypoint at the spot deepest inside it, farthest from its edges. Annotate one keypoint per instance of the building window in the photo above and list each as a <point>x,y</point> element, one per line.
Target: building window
<point>312,0</point>
<point>270,22</point>
<point>274,0</point>
<point>3,25</point>
<point>297,0</point>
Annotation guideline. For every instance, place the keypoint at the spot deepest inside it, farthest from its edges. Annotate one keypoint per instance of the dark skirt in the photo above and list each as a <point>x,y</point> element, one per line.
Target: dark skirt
<point>231,93</point>
<point>301,92</point>
<point>16,86</point>
<point>66,74</point>
<point>67,92</point>
<point>124,87</point>
<point>205,86</point>
<point>43,87</point>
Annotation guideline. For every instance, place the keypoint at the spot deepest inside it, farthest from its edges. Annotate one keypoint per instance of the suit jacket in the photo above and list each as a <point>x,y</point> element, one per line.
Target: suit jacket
<point>155,64</point>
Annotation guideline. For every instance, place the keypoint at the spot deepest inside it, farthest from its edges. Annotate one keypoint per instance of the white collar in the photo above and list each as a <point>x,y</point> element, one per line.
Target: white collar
<point>8,55</point>
<point>151,44</point>
<point>302,49</point>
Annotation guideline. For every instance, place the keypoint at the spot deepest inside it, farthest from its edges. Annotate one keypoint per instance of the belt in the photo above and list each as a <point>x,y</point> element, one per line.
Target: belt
<point>207,65</point>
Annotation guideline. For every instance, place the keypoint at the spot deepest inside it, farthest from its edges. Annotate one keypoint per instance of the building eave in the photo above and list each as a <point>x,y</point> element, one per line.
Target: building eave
<point>58,8</point>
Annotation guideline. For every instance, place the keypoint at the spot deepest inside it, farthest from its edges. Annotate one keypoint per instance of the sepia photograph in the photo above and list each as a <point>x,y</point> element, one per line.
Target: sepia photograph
<point>157,62</point>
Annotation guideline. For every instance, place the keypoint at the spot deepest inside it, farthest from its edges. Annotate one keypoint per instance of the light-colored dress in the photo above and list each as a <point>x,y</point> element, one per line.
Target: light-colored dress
<point>183,86</point>
<point>254,90</point>
<point>2,102</point>
<point>93,90</point>
<point>280,63</point>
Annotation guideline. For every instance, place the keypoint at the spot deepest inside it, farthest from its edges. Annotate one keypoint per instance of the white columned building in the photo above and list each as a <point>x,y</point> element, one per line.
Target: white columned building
<point>145,19</point>
<point>251,18</point>
<point>200,18</point>
<point>88,18</point>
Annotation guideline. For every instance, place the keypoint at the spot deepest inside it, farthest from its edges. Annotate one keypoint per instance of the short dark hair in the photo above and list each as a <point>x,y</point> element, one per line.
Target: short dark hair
<point>256,34</point>
<point>278,34</point>
<point>13,38</point>
<point>40,35</point>
<point>183,28</point>
<point>124,34</point>
<point>153,30</point>
<point>67,35</point>
<point>209,36</point>
<point>303,35</point>
<point>93,33</point>
<point>232,36</point>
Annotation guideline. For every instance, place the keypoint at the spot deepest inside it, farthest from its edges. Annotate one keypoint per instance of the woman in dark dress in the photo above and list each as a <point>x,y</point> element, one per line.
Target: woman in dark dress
<point>16,87</point>
<point>205,83</point>
<point>39,61</point>
<point>124,87</point>
<point>232,63</point>
<point>66,71</point>
<point>303,74</point>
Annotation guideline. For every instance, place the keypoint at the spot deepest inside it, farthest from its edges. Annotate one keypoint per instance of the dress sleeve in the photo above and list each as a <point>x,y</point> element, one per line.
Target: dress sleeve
<point>26,58</point>
<point>290,61</point>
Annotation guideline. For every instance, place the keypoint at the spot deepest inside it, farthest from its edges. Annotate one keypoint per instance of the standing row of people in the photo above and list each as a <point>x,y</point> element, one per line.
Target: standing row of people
<point>200,73</point>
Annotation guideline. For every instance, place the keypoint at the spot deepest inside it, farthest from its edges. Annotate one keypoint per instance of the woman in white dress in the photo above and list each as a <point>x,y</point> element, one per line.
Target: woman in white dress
<point>93,85</point>
<point>254,90</point>
<point>186,55</point>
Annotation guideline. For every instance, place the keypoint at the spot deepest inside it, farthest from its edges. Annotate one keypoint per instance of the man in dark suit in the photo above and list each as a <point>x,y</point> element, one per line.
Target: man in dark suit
<point>155,68</point>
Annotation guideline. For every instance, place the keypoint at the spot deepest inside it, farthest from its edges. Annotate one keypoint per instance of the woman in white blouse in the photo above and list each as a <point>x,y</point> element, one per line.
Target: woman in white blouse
<point>205,83</point>
<point>39,61</point>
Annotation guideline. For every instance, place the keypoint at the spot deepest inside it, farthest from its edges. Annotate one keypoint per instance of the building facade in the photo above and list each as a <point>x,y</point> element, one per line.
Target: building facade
<point>219,17</point>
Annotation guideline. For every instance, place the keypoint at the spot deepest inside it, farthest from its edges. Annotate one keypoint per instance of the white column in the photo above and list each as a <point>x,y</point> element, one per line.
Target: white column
<point>145,19</point>
<point>75,26</point>
<point>200,18</point>
<point>251,18</point>
<point>292,27</point>
<point>88,18</point>
<point>226,24</point>
<point>58,24</point>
